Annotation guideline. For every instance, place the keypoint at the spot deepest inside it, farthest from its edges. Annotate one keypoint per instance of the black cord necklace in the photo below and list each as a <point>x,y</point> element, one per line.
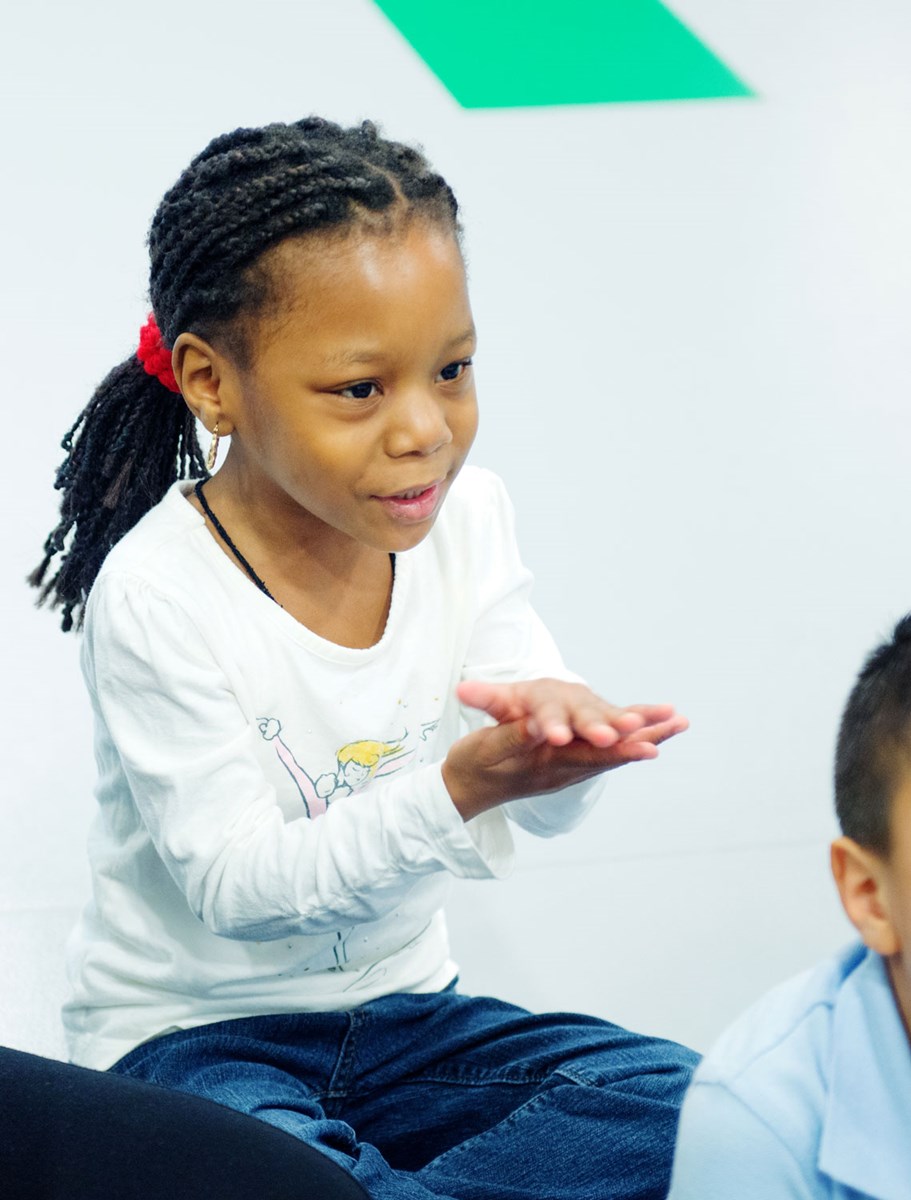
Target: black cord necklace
<point>226,538</point>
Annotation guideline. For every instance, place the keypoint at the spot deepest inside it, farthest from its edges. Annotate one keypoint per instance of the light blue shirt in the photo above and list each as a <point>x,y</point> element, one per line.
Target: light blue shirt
<point>806,1097</point>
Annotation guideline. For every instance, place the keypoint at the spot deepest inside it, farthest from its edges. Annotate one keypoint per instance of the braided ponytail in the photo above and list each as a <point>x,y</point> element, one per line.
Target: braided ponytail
<point>244,194</point>
<point>111,477</point>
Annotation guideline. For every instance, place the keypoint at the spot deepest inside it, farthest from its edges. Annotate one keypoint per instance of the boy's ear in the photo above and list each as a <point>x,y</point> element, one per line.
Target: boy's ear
<point>861,879</point>
<point>207,381</point>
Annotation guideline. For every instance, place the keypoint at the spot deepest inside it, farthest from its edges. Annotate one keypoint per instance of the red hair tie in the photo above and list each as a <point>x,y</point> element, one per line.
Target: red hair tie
<point>155,356</point>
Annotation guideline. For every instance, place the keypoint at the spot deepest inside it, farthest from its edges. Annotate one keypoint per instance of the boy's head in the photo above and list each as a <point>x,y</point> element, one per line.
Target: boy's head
<point>871,862</point>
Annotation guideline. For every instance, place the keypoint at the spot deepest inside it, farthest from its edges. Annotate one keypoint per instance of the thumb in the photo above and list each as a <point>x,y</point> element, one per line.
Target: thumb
<point>507,740</point>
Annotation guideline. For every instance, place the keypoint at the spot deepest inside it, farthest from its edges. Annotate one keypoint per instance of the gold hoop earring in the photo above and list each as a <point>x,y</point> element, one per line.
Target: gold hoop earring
<point>213,450</point>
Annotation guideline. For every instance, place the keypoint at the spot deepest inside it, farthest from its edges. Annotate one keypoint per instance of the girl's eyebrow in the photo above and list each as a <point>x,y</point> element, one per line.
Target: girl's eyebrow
<point>469,335</point>
<point>360,355</point>
<point>349,358</point>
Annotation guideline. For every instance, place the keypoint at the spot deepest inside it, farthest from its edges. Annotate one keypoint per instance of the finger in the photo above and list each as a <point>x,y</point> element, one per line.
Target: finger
<point>578,712</point>
<point>550,716</point>
<point>558,706</point>
<point>498,700</point>
<point>512,701</point>
<point>580,760</point>
<point>602,724</point>
<point>633,751</point>
<point>559,711</point>
<point>541,701</point>
<point>660,732</point>
<point>652,713</point>
<point>584,754</point>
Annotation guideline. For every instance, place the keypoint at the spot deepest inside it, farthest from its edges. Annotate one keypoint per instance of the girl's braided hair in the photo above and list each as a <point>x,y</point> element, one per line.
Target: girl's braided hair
<point>246,192</point>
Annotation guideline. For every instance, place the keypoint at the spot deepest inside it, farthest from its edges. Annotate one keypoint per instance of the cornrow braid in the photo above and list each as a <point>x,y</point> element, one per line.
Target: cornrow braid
<point>245,193</point>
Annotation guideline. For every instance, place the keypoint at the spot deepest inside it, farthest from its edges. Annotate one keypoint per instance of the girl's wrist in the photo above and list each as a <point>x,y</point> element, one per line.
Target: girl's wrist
<point>464,798</point>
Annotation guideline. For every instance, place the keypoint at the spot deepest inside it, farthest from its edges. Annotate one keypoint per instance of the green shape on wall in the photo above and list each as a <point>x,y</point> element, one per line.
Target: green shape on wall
<point>526,53</point>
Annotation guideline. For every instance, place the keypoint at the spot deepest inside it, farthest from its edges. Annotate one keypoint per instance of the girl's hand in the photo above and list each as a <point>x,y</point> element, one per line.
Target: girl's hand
<point>550,734</point>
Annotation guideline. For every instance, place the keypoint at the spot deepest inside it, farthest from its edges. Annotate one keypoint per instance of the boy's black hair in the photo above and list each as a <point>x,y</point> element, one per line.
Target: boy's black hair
<point>246,192</point>
<point>873,754</point>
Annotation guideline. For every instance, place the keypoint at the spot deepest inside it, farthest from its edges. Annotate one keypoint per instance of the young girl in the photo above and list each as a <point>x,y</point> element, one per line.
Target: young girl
<point>281,658</point>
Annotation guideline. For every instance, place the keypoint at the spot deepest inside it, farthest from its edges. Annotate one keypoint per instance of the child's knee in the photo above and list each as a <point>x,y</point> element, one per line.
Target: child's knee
<point>650,1068</point>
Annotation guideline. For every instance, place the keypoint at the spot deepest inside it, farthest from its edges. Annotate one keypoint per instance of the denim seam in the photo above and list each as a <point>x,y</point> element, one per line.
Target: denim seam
<point>495,1131</point>
<point>574,1076</point>
<point>479,1080</point>
<point>339,1084</point>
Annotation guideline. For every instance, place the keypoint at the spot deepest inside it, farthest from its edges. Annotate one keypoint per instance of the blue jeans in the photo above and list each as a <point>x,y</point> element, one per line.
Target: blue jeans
<point>445,1095</point>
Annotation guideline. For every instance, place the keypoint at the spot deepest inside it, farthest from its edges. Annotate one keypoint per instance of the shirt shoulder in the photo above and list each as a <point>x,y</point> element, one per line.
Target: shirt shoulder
<point>766,1081</point>
<point>791,1020</point>
<point>170,532</point>
<point>160,585</point>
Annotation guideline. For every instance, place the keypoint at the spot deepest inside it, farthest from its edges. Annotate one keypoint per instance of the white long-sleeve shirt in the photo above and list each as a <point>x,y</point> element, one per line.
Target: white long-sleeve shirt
<point>273,832</point>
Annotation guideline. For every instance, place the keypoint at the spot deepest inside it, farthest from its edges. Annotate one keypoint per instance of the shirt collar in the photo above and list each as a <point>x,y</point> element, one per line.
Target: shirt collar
<point>866,1137</point>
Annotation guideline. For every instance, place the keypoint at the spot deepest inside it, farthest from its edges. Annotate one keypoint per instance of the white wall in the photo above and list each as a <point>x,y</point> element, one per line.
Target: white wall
<point>694,359</point>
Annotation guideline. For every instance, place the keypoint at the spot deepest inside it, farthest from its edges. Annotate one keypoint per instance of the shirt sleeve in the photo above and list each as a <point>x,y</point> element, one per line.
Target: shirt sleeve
<point>510,642</point>
<point>725,1150</point>
<point>170,724</point>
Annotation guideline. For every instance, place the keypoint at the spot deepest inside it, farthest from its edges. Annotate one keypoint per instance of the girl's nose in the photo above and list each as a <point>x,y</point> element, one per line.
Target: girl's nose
<point>417,424</point>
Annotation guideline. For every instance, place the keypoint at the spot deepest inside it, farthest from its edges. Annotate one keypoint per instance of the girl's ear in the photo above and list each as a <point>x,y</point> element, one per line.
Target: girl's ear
<point>206,380</point>
<point>861,877</point>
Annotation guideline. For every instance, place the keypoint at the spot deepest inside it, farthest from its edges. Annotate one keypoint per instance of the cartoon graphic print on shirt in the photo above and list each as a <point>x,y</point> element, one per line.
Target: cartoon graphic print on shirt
<point>357,763</point>
<point>271,729</point>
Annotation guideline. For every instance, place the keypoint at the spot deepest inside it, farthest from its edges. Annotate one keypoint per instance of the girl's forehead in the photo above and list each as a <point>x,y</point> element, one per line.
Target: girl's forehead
<point>415,248</point>
<point>347,295</point>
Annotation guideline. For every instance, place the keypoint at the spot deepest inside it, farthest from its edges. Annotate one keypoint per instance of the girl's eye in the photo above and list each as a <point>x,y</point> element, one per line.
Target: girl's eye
<point>359,391</point>
<point>455,370</point>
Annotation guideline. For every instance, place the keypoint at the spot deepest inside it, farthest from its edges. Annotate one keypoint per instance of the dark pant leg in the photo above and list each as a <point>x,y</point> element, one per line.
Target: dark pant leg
<point>67,1133</point>
<point>283,1070</point>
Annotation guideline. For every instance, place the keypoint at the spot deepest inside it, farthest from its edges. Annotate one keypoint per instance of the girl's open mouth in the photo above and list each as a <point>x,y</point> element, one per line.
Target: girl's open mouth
<point>416,504</point>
